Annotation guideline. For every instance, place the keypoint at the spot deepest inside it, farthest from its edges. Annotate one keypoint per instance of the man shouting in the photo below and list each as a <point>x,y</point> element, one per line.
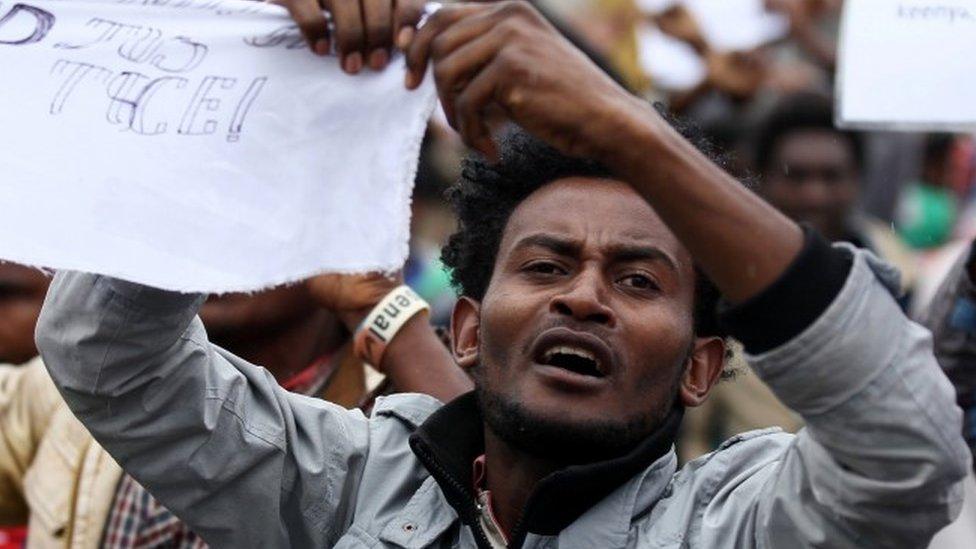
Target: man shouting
<point>588,252</point>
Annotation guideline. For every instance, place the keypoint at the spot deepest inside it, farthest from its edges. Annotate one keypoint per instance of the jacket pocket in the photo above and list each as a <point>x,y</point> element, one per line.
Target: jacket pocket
<point>48,486</point>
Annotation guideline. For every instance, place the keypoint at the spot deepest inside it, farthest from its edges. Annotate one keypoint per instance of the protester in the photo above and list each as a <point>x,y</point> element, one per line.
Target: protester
<point>811,171</point>
<point>952,319</point>
<point>22,292</point>
<point>587,317</point>
<point>927,209</point>
<point>55,475</point>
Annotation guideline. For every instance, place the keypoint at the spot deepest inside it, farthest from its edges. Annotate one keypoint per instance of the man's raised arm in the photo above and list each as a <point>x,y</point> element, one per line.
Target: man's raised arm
<point>214,438</point>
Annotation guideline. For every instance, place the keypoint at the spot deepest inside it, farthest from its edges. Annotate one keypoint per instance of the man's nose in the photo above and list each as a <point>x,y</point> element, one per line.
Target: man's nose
<point>584,300</point>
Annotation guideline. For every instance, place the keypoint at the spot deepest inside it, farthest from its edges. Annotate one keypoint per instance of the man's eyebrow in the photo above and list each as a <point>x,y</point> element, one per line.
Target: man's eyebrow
<point>559,246</point>
<point>640,252</point>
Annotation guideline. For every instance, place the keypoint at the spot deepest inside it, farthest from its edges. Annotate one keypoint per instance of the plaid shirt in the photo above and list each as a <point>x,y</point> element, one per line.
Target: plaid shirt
<point>138,521</point>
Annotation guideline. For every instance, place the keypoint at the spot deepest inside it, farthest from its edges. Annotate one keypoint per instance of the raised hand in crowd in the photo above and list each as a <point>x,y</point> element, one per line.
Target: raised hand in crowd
<point>363,32</point>
<point>678,22</point>
<point>803,16</point>
<point>740,74</point>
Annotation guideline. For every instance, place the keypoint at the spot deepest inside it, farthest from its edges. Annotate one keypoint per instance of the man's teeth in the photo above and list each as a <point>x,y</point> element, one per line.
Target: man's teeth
<point>574,351</point>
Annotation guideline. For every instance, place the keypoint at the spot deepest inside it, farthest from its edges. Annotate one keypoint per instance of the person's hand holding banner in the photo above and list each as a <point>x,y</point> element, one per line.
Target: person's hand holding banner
<point>494,58</point>
<point>363,31</point>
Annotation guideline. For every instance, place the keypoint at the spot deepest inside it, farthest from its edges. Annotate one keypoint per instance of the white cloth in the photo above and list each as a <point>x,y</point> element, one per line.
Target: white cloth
<point>197,145</point>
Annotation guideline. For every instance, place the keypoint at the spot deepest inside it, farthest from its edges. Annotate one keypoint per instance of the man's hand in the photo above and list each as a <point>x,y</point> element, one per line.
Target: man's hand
<point>679,22</point>
<point>505,58</point>
<point>351,297</point>
<point>737,73</point>
<point>794,10</point>
<point>364,30</point>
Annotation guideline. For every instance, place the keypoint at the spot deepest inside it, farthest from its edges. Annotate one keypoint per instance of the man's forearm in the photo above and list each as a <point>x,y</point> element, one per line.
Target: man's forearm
<point>741,242</point>
<point>417,361</point>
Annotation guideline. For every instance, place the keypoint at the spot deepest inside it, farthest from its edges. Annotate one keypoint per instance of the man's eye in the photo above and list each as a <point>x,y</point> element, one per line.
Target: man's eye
<point>544,268</point>
<point>639,282</point>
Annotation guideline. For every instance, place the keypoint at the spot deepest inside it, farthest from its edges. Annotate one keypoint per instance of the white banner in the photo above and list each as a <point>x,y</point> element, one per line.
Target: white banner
<point>907,65</point>
<point>197,145</point>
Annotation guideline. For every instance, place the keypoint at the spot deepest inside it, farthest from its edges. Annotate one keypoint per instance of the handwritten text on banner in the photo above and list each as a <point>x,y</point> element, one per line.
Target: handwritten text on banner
<point>197,145</point>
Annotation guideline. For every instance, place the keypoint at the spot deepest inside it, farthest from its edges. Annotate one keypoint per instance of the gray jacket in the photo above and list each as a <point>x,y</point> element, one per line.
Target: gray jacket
<point>248,464</point>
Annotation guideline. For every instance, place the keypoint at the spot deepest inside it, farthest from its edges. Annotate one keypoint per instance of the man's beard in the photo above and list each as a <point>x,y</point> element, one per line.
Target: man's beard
<point>560,441</point>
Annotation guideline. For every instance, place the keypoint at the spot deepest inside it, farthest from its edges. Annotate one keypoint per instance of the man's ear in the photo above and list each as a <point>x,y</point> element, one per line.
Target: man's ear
<point>702,370</point>
<point>466,332</point>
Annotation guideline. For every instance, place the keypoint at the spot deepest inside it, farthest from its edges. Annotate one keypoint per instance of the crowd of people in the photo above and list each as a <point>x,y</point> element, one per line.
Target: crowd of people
<point>604,292</point>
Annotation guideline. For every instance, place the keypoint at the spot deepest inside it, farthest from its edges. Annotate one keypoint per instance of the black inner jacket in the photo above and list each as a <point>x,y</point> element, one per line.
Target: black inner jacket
<point>453,437</point>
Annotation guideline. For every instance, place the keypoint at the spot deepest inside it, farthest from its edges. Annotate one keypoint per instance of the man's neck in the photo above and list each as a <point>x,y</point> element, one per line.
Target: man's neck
<point>511,477</point>
<point>290,349</point>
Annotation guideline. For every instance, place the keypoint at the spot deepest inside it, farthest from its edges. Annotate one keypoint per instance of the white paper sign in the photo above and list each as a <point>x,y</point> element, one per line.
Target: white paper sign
<point>197,145</point>
<point>907,65</point>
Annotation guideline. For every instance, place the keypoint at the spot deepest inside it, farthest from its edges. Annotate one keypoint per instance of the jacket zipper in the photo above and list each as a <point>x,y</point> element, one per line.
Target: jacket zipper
<point>472,509</point>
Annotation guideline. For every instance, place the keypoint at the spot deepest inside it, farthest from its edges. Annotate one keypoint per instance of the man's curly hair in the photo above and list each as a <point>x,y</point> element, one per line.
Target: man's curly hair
<point>486,195</point>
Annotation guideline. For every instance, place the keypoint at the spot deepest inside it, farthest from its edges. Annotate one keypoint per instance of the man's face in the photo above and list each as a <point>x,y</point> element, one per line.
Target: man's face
<point>813,179</point>
<point>587,321</point>
<point>22,291</point>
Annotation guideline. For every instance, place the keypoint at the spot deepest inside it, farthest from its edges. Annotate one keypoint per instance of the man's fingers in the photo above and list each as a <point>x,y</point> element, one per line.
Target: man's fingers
<point>419,51</point>
<point>406,17</point>
<point>350,36</point>
<point>469,108</point>
<point>378,22</point>
<point>311,21</point>
<point>459,54</point>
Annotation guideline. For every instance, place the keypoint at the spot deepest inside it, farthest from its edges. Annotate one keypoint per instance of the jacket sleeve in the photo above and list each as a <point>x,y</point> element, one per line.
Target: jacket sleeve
<point>27,402</point>
<point>215,439</point>
<point>881,460</point>
<point>952,319</point>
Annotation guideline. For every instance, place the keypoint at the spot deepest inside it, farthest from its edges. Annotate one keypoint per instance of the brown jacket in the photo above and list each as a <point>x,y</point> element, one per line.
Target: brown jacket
<point>53,475</point>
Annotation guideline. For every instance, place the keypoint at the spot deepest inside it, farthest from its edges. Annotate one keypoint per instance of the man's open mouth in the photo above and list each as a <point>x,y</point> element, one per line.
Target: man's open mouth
<point>573,358</point>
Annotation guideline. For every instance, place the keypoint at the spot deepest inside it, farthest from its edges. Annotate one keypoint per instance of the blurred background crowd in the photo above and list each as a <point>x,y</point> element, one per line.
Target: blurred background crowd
<point>756,76</point>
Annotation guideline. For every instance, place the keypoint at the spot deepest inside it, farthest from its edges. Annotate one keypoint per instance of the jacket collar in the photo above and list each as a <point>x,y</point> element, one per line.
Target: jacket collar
<point>453,436</point>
